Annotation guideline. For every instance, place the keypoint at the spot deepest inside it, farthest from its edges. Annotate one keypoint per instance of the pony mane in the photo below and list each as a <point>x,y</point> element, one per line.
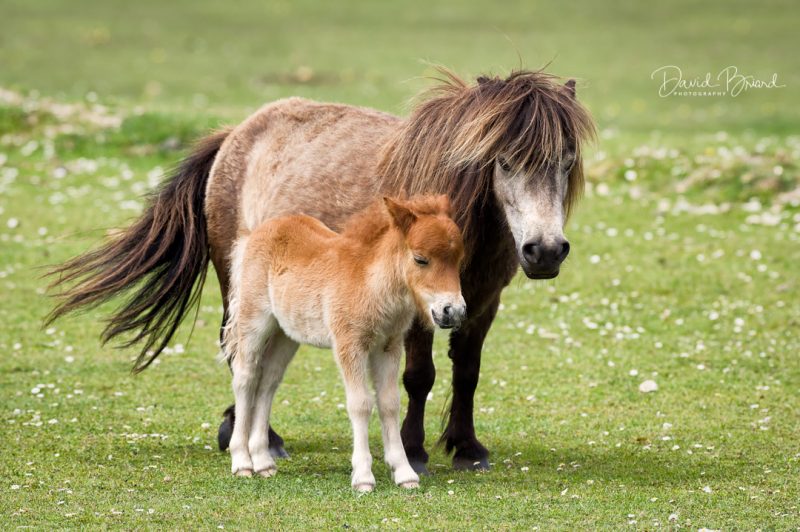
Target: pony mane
<point>372,222</point>
<point>450,142</point>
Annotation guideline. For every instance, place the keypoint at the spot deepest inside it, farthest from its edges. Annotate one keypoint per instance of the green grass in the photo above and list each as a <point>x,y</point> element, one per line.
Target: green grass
<point>676,273</point>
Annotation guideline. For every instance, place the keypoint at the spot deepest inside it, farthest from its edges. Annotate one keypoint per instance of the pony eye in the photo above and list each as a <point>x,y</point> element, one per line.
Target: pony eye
<point>504,164</point>
<point>422,261</point>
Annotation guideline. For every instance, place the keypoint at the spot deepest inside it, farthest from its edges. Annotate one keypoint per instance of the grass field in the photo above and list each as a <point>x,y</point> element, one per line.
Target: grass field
<point>684,271</point>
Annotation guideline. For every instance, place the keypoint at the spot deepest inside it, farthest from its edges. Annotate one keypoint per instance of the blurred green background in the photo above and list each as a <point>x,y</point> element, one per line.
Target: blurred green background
<point>683,270</point>
<point>221,57</point>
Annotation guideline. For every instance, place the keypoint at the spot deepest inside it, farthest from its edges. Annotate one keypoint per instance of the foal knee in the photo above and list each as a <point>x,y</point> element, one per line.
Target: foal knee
<point>359,405</point>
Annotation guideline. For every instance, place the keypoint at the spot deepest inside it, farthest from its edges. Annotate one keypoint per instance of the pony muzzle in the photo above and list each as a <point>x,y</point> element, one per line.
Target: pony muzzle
<point>541,260</point>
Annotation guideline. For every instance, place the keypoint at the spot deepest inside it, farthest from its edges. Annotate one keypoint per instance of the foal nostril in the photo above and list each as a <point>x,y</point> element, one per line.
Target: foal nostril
<point>448,311</point>
<point>532,252</point>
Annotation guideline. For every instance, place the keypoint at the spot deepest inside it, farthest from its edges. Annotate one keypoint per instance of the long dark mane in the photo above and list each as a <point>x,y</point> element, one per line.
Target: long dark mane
<point>450,142</point>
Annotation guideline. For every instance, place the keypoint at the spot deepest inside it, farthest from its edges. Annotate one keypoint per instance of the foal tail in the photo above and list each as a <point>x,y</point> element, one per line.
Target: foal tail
<point>161,260</point>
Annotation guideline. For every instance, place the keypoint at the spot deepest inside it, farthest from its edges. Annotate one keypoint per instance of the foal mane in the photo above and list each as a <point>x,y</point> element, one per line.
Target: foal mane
<point>450,142</point>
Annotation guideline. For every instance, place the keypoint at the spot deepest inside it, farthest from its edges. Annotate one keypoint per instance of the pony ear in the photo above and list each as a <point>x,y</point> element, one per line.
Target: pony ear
<point>570,85</point>
<point>401,215</point>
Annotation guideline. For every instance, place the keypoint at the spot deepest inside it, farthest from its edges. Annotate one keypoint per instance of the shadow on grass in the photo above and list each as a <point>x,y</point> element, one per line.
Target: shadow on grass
<point>324,455</point>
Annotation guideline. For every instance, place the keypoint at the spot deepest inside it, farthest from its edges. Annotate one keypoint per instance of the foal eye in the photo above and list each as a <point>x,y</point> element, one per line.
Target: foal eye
<point>422,261</point>
<point>504,164</point>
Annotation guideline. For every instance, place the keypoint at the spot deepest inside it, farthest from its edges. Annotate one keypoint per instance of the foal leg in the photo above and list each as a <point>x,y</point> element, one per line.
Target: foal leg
<point>465,351</point>
<point>229,416</point>
<point>246,375</point>
<point>353,365</point>
<point>385,367</point>
<point>279,352</point>
<point>418,379</point>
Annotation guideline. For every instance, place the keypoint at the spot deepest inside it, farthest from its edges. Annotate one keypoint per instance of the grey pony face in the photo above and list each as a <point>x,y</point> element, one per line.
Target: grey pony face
<point>534,207</point>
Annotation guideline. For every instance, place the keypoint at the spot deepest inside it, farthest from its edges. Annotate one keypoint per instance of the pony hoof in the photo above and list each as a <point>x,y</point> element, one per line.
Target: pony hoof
<point>243,473</point>
<point>419,467</point>
<point>268,472</point>
<point>278,452</point>
<point>410,485</point>
<point>364,487</point>
<point>467,464</point>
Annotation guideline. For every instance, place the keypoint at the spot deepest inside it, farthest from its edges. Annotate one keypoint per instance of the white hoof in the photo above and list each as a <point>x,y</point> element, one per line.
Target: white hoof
<point>406,477</point>
<point>243,473</point>
<point>268,472</point>
<point>364,487</point>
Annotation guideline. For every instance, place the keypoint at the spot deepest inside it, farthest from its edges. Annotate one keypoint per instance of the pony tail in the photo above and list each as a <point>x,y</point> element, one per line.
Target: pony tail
<point>163,258</point>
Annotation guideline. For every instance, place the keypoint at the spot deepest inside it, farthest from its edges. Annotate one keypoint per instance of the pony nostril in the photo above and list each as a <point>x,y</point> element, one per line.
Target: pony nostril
<point>532,252</point>
<point>448,311</point>
<point>564,251</point>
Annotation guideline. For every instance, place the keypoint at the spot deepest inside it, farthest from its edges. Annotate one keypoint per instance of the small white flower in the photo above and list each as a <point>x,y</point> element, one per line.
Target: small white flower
<point>648,386</point>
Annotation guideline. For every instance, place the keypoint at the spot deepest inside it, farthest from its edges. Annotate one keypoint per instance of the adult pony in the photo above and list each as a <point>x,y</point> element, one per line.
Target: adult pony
<point>507,151</point>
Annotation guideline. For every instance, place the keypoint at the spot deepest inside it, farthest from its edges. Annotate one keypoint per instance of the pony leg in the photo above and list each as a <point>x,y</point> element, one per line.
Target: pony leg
<point>246,376</point>
<point>418,379</point>
<point>465,352</point>
<point>279,352</point>
<point>353,365</point>
<point>385,367</point>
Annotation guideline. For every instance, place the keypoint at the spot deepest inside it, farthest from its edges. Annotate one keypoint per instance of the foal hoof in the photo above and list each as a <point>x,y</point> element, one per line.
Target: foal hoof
<point>364,487</point>
<point>268,472</point>
<point>467,464</point>
<point>419,467</point>
<point>278,452</point>
<point>410,485</point>
<point>243,473</point>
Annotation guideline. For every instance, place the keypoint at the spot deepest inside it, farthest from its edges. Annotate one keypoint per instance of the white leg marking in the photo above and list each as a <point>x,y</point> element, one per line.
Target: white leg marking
<point>279,352</point>
<point>385,368</point>
<point>359,408</point>
<point>250,339</point>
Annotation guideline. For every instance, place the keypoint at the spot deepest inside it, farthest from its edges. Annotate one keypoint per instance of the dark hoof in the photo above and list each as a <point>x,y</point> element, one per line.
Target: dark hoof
<point>419,467</point>
<point>225,432</point>
<point>467,464</point>
<point>278,452</point>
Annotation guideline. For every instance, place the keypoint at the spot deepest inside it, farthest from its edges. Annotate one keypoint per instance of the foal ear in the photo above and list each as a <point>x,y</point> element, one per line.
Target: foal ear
<point>570,85</point>
<point>402,216</point>
<point>444,205</point>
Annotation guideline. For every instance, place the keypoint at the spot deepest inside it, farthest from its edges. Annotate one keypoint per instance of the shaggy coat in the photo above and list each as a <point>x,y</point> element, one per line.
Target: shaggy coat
<point>506,151</point>
<point>294,281</point>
